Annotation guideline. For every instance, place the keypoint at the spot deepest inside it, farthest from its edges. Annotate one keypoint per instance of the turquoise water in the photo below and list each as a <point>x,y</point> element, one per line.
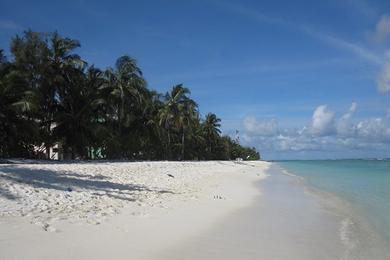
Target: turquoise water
<point>363,184</point>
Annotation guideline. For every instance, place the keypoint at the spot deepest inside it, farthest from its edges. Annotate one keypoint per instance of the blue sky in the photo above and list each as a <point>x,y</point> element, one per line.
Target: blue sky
<point>298,79</point>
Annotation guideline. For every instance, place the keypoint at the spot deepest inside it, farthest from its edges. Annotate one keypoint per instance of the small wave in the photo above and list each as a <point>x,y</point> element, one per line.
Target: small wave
<point>291,175</point>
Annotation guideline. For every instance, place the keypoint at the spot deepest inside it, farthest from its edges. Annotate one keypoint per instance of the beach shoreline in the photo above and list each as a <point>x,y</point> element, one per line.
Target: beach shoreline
<point>361,239</point>
<point>207,210</point>
<point>284,222</point>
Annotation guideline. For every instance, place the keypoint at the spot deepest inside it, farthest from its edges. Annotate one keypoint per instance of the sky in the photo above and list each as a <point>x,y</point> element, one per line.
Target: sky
<point>296,79</point>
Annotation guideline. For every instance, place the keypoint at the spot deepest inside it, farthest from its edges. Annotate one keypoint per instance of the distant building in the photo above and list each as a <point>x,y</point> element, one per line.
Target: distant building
<point>54,153</point>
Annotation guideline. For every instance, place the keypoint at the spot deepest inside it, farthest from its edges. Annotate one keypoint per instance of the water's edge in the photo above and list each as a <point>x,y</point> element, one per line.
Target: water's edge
<point>355,232</point>
<point>284,222</point>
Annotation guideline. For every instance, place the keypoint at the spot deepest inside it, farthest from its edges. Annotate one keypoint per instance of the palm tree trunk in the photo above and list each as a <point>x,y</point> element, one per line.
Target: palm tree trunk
<point>169,145</point>
<point>48,129</point>
<point>182,145</point>
<point>210,146</point>
<point>120,117</point>
<point>73,152</point>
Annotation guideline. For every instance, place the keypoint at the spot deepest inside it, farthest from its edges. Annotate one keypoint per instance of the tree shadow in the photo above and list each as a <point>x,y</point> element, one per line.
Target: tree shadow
<point>223,163</point>
<point>7,194</point>
<point>67,181</point>
<point>246,163</point>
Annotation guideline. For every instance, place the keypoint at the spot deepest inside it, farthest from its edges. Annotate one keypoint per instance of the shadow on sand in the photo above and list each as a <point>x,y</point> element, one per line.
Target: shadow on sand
<point>69,181</point>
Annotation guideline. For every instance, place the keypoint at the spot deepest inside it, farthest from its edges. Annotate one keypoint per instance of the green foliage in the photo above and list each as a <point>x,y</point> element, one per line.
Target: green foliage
<point>49,95</point>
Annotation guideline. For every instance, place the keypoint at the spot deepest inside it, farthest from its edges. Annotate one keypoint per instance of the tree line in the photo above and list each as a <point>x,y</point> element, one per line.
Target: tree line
<point>49,95</point>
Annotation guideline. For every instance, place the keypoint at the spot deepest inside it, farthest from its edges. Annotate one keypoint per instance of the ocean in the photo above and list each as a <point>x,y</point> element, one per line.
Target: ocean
<point>363,188</point>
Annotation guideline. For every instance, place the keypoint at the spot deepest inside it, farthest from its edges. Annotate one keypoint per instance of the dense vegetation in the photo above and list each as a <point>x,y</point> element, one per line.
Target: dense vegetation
<point>49,95</point>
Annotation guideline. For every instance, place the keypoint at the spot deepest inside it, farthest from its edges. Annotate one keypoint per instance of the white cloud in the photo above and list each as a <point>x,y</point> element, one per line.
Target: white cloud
<point>373,129</point>
<point>345,126</point>
<point>324,134</point>
<point>322,121</point>
<point>383,80</point>
<point>382,30</point>
<point>296,143</point>
<point>358,50</point>
<point>261,128</point>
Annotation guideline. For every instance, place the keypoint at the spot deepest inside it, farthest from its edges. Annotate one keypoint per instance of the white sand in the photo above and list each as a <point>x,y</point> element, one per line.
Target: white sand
<point>117,210</point>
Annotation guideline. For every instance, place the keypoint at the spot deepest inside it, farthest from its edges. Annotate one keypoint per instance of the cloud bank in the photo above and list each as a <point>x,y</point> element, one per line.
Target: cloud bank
<point>325,132</point>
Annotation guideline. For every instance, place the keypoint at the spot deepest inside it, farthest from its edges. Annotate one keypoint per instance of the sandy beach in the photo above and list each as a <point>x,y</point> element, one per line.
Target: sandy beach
<point>160,210</point>
<point>116,210</point>
<point>195,130</point>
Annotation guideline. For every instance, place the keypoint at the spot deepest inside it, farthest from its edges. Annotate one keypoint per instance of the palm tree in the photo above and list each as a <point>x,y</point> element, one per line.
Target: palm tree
<point>150,132</point>
<point>125,91</point>
<point>47,62</point>
<point>71,97</point>
<point>17,129</point>
<point>165,119</point>
<point>32,62</point>
<point>211,130</point>
<point>62,55</point>
<point>177,112</point>
<point>187,115</point>
<point>74,117</point>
